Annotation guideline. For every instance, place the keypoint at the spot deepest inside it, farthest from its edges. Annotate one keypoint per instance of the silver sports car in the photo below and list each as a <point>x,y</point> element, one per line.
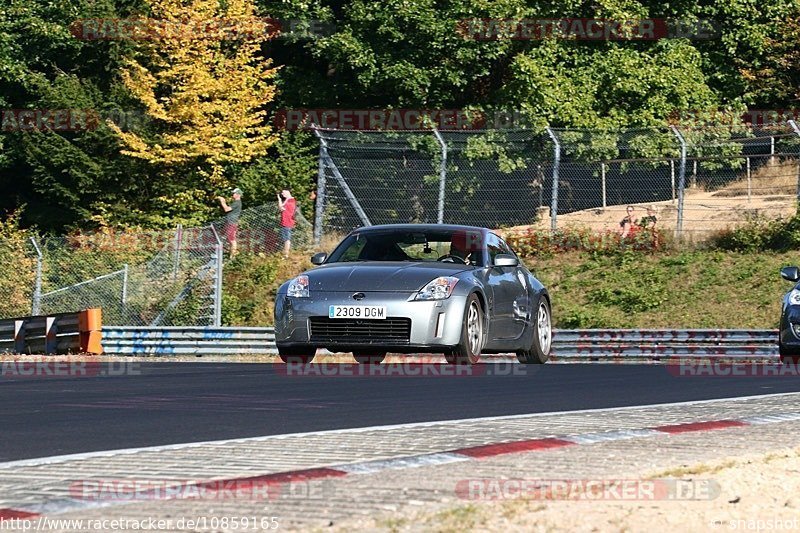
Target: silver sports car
<point>409,288</point>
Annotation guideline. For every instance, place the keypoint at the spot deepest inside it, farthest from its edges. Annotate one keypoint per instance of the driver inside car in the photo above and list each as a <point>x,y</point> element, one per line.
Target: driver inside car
<point>458,248</point>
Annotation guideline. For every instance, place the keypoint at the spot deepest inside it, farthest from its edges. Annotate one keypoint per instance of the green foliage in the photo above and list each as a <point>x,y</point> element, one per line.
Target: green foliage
<point>392,54</point>
<point>17,269</point>
<point>700,289</point>
<point>251,281</point>
<point>535,242</point>
<point>761,234</point>
<point>291,164</point>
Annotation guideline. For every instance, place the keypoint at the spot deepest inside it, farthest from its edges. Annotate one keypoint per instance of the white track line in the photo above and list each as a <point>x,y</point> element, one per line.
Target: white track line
<point>39,461</point>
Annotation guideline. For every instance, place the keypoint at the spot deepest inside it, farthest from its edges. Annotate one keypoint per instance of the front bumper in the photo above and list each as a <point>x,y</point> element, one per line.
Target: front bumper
<point>433,323</point>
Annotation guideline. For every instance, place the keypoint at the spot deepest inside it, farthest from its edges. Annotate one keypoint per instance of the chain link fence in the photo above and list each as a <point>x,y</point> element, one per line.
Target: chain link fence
<point>695,181</point>
<point>499,177</point>
<point>160,278</point>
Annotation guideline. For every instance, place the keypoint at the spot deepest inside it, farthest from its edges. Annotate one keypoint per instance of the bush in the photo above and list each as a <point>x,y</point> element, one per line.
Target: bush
<point>760,234</point>
<point>250,282</point>
<point>17,269</point>
<point>541,242</point>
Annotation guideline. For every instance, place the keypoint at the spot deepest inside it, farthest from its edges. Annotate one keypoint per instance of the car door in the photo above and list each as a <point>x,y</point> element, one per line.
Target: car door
<point>518,293</point>
<point>505,287</point>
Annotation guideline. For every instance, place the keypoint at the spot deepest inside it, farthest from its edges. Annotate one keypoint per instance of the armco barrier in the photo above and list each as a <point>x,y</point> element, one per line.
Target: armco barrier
<point>599,344</point>
<point>188,340</point>
<point>583,344</point>
<point>78,332</point>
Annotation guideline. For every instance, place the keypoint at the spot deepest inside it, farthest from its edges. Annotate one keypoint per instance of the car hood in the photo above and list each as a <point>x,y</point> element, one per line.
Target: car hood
<point>378,276</point>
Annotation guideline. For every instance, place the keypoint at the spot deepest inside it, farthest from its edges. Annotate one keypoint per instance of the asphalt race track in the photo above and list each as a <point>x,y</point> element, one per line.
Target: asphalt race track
<point>169,403</point>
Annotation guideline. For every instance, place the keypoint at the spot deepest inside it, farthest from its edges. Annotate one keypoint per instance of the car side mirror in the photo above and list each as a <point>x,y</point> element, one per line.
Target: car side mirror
<point>505,260</point>
<point>318,259</point>
<point>790,273</point>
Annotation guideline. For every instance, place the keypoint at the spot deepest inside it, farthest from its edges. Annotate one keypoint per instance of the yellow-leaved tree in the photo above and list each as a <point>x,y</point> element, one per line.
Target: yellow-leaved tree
<point>201,80</point>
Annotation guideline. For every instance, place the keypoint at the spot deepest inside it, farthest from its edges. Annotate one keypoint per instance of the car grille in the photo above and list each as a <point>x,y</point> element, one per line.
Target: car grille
<point>397,330</point>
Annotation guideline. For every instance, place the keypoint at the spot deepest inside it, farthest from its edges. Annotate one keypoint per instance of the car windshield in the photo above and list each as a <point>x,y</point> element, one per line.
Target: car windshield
<point>459,246</point>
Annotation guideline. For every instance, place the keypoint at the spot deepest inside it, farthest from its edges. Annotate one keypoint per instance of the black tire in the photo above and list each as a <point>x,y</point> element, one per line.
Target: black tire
<point>542,342</point>
<point>297,355</point>
<point>369,357</point>
<point>468,351</point>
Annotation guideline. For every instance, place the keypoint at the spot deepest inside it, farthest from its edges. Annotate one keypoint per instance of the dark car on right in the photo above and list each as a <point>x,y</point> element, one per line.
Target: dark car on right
<point>789,334</point>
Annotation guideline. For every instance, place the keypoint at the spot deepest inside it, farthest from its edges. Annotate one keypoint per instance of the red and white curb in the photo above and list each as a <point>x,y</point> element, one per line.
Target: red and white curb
<point>422,460</point>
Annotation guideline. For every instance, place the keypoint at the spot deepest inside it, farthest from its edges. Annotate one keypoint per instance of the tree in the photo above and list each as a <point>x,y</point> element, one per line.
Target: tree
<point>204,86</point>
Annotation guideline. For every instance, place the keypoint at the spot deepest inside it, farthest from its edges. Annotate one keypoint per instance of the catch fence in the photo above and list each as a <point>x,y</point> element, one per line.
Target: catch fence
<point>694,180</point>
<point>159,278</point>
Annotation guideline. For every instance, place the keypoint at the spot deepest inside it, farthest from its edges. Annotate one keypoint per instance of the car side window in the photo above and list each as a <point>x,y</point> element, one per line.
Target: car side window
<point>506,248</point>
<point>493,246</point>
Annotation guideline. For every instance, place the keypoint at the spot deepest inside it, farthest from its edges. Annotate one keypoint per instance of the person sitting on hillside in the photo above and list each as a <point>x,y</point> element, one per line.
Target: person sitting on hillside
<point>649,221</point>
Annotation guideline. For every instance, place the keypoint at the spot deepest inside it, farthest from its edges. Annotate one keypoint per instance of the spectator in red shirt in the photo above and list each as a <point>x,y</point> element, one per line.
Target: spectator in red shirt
<point>288,206</point>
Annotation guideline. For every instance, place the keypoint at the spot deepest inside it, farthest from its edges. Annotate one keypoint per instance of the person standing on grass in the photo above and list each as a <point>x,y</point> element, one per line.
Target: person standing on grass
<point>232,214</point>
<point>626,224</point>
<point>288,206</point>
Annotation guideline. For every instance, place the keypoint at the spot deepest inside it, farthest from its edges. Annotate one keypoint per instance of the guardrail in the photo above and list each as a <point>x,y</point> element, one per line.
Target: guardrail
<point>125,340</point>
<point>654,344</point>
<point>580,344</point>
<point>58,333</point>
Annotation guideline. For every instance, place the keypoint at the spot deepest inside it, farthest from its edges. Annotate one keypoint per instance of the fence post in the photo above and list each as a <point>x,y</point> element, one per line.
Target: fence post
<point>217,280</point>
<point>178,242</point>
<point>603,178</point>
<point>681,181</point>
<point>772,150</point>
<point>124,283</point>
<point>672,177</point>
<point>326,157</point>
<point>320,202</point>
<point>796,129</point>
<point>556,164</point>
<point>749,180</point>
<point>442,176</point>
<point>37,288</point>
<point>540,183</point>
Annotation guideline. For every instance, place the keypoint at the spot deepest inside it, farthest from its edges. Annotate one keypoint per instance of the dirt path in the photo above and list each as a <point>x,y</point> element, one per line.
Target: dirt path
<point>705,212</point>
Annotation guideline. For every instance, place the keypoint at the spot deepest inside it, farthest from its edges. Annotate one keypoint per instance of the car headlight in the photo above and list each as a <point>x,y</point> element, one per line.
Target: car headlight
<point>794,297</point>
<point>298,287</point>
<point>438,289</point>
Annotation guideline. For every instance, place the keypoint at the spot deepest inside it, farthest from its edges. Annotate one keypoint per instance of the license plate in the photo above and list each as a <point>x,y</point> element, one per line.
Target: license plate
<point>357,311</point>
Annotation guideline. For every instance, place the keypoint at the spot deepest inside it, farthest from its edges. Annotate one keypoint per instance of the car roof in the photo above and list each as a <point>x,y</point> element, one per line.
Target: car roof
<point>419,227</point>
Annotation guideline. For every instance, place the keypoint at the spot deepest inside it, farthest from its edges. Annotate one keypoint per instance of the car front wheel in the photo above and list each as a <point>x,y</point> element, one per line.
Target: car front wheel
<point>789,355</point>
<point>468,351</point>
<point>297,355</point>
<point>539,351</point>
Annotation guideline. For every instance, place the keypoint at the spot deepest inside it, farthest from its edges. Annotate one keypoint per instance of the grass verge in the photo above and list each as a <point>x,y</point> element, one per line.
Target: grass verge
<point>691,289</point>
